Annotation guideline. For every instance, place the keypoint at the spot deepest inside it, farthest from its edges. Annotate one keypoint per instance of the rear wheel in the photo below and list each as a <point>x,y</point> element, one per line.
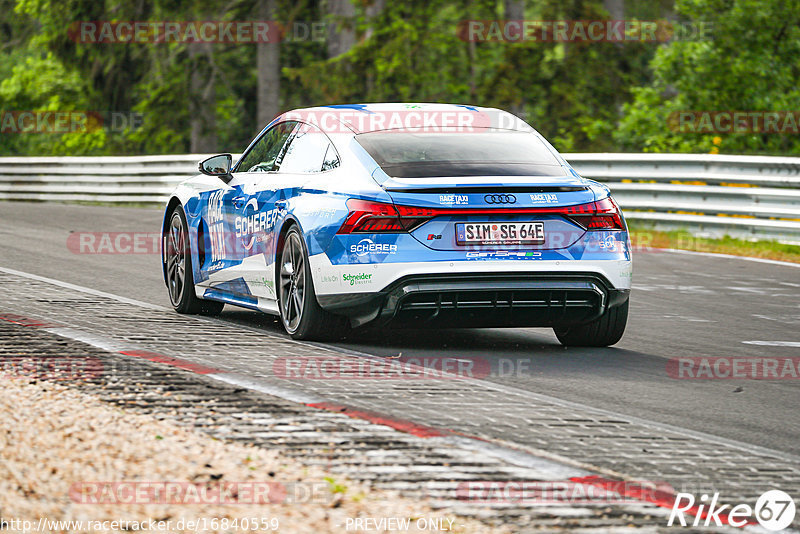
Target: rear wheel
<point>178,269</point>
<point>301,314</point>
<point>602,332</point>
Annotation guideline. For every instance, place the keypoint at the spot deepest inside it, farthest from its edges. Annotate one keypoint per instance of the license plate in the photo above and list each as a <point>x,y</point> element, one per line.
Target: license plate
<point>500,233</point>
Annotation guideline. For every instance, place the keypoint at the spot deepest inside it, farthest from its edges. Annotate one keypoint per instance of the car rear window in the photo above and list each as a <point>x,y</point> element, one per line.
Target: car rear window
<point>491,153</point>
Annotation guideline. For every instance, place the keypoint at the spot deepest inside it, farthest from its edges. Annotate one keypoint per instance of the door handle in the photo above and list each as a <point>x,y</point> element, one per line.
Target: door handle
<point>238,202</point>
<point>280,205</point>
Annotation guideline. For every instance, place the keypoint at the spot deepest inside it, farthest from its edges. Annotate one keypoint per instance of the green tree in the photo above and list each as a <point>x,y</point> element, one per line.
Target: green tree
<point>751,62</point>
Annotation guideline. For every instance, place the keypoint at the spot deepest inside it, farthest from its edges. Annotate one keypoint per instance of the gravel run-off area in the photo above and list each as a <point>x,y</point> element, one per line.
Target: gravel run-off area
<point>67,456</point>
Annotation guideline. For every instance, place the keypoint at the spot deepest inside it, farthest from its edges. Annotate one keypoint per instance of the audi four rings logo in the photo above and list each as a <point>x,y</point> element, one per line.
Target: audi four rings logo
<point>500,199</point>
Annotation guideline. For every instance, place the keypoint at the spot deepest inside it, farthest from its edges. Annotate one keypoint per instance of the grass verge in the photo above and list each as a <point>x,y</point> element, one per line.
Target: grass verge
<point>643,238</point>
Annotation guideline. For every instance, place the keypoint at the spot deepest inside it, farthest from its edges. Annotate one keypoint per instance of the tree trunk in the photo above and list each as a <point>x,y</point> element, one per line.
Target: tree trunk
<point>615,8</point>
<point>268,65</point>
<point>341,34</point>
<point>373,11</point>
<point>202,101</point>
<point>515,9</point>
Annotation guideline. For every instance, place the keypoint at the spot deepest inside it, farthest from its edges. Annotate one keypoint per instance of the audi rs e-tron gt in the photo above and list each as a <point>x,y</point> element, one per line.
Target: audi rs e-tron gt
<point>410,215</point>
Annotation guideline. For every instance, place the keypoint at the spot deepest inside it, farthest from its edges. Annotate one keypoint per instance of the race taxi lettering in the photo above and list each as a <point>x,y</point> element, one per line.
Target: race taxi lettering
<point>216,232</point>
<point>544,198</point>
<point>453,199</point>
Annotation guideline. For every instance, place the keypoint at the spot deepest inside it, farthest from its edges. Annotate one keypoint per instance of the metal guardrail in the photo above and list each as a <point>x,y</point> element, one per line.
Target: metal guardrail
<point>129,179</point>
<point>744,196</point>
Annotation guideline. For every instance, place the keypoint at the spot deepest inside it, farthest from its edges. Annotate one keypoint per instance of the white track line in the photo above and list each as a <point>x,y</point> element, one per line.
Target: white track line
<point>102,343</point>
<point>236,379</point>
<point>729,256</point>
<point>774,343</point>
<point>82,289</point>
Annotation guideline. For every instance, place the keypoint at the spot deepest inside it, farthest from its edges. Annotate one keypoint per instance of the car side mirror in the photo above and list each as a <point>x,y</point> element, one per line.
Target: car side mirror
<point>219,166</point>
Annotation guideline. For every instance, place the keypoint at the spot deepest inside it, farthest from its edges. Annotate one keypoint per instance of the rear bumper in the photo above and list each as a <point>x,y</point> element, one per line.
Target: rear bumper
<point>482,300</point>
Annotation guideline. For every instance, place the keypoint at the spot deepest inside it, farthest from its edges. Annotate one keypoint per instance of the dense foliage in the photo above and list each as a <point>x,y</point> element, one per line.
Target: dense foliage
<point>591,96</point>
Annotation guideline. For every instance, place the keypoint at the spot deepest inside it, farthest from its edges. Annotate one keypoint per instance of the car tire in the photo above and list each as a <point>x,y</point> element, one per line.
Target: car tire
<point>301,315</point>
<point>178,269</point>
<point>604,331</point>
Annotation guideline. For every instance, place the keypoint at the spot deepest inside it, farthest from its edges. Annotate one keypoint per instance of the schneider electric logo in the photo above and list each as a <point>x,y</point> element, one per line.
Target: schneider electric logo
<point>357,279</point>
<point>774,510</point>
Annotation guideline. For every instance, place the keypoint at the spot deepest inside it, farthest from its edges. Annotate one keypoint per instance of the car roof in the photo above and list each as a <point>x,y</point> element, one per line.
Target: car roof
<point>365,118</point>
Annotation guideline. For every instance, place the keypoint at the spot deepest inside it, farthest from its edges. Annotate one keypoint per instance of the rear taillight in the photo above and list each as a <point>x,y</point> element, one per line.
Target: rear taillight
<point>600,215</point>
<point>377,217</point>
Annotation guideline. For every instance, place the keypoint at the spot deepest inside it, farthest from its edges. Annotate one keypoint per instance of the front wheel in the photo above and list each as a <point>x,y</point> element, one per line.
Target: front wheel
<point>301,314</point>
<point>602,332</point>
<point>178,269</point>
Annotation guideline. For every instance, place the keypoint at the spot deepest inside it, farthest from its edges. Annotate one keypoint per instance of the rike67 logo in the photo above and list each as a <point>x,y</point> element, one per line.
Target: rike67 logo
<point>774,510</point>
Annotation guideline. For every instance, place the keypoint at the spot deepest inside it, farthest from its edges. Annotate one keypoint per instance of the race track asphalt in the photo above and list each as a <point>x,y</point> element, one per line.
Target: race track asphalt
<point>683,305</point>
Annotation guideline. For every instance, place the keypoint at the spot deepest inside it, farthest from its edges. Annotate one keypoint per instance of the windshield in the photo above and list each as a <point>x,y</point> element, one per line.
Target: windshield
<point>492,153</point>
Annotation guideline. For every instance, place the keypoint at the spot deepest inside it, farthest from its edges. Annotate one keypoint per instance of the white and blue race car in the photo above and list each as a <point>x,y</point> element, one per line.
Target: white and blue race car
<point>400,215</point>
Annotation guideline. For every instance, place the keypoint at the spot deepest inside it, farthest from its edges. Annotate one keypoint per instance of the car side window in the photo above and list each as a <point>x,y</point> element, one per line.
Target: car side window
<point>331,160</point>
<point>268,153</point>
<point>309,151</point>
